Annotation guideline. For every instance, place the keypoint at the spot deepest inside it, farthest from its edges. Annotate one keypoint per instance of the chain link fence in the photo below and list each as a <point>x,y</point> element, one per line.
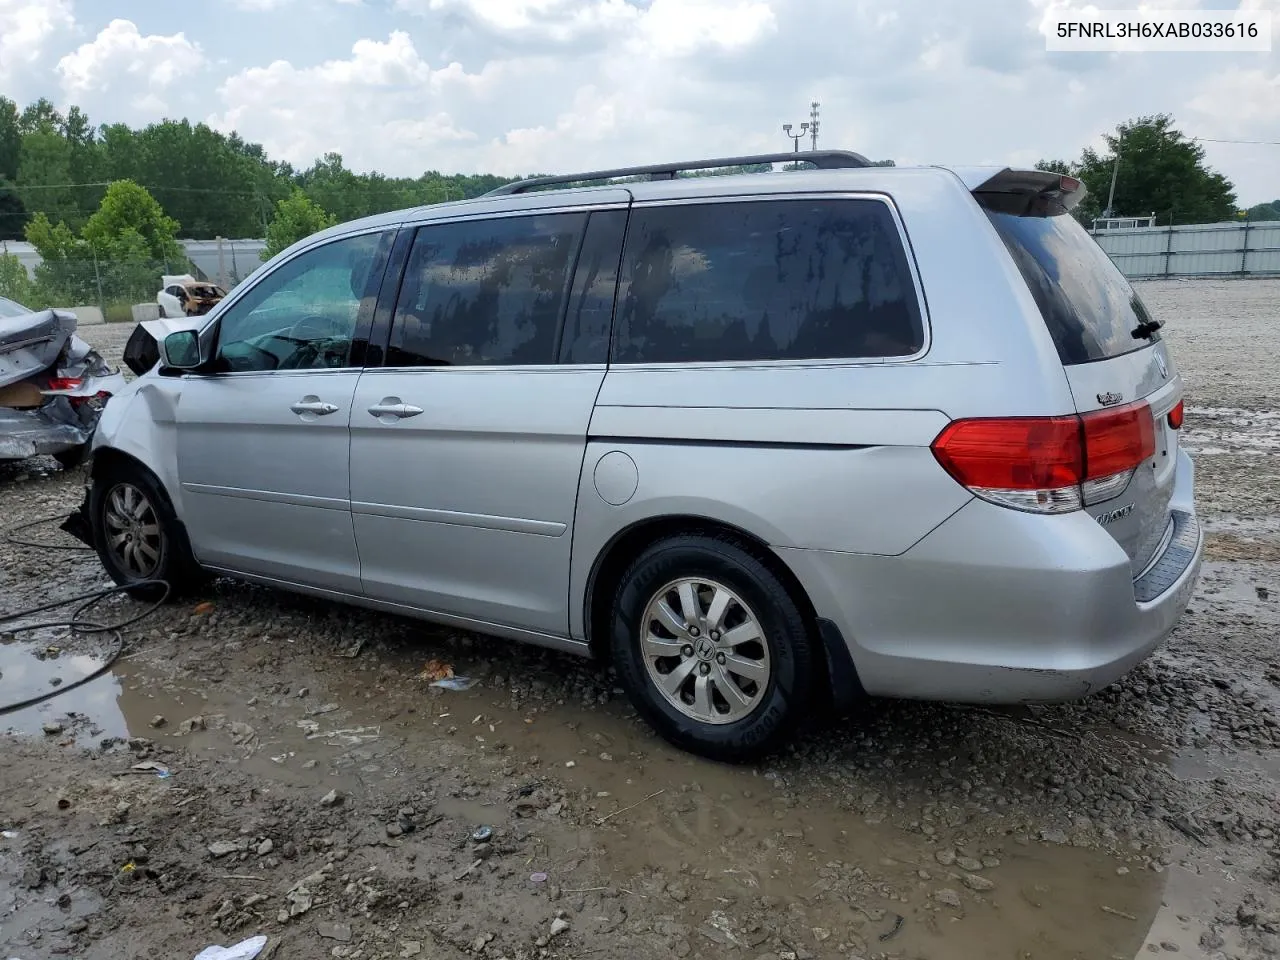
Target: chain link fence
<point>115,287</point>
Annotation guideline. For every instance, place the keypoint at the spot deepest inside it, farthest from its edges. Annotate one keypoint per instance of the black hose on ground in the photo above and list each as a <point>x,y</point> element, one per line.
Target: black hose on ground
<point>77,625</point>
<point>11,536</point>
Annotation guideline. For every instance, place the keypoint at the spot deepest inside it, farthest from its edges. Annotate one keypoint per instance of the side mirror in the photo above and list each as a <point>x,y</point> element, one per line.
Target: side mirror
<point>181,350</point>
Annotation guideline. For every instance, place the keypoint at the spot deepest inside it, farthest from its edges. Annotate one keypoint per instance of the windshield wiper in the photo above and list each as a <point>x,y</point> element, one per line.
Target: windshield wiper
<point>1146,330</point>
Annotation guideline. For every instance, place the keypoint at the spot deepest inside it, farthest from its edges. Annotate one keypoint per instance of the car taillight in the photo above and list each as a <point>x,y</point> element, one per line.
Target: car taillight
<point>64,383</point>
<point>1048,464</point>
<point>1175,417</point>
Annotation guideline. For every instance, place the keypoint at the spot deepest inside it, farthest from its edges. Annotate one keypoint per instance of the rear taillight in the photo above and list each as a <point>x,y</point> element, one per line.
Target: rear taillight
<point>1175,417</point>
<point>1048,464</point>
<point>64,383</point>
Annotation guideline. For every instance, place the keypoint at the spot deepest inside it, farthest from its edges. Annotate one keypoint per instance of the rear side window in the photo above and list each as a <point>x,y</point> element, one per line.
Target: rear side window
<point>765,280</point>
<point>1087,304</point>
<point>485,292</point>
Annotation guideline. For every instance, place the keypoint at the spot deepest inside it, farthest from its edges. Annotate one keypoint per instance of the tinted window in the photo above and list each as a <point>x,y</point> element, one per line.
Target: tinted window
<point>1088,305</point>
<point>765,280</point>
<point>303,315</point>
<point>485,292</point>
<point>595,283</point>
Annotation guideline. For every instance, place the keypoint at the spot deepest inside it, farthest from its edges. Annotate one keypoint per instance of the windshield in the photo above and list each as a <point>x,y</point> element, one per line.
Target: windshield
<point>1087,304</point>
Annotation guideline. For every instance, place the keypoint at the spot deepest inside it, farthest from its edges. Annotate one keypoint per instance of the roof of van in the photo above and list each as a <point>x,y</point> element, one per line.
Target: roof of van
<point>859,178</point>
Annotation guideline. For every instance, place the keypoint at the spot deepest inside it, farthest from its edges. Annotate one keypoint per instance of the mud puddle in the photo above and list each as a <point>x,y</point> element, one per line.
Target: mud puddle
<point>120,703</point>
<point>1223,431</point>
<point>1252,588</point>
<point>700,846</point>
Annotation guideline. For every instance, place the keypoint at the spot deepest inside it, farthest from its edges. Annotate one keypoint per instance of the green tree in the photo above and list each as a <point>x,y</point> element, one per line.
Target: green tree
<point>44,177</point>
<point>14,282</point>
<point>297,216</point>
<point>1161,171</point>
<point>10,139</point>
<point>117,257</point>
<point>1264,211</point>
<point>66,275</point>
<point>330,185</point>
<point>213,184</point>
<point>13,215</point>
<point>41,116</point>
<point>130,219</point>
<point>1064,167</point>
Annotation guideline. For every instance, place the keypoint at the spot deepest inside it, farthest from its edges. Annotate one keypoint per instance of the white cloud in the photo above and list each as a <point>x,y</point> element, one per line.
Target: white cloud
<point>1236,101</point>
<point>555,20</point>
<point>660,27</point>
<point>681,28</point>
<point>121,57</point>
<point>25,28</point>
<point>264,6</point>
<point>528,86</point>
<point>375,107</point>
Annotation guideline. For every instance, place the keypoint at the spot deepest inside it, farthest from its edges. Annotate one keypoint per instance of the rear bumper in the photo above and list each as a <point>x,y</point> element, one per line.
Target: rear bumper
<point>32,433</point>
<point>996,606</point>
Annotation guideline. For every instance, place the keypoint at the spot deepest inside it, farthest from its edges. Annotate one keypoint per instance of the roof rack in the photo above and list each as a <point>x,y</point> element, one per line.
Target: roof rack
<point>822,159</point>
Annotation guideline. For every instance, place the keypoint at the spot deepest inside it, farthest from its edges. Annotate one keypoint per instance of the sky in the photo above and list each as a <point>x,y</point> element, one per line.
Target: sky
<point>522,86</point>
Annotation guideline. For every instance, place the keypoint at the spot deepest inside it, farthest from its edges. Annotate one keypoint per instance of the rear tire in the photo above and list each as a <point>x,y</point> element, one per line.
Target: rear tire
<point>711,647</point>
<point>138,535</point>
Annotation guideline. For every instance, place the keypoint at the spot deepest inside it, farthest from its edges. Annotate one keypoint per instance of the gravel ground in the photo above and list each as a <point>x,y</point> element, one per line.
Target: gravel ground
<point>258,763</point>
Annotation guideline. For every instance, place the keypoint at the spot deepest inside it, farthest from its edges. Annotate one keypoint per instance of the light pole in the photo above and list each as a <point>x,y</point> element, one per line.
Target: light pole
<point>796,137</point>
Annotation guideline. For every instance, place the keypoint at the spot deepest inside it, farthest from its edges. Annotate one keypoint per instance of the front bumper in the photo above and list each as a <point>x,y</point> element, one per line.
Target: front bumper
<point>996,606</point>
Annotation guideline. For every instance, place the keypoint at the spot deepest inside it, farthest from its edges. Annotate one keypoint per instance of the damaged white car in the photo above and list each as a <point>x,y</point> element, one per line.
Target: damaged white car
<point>53,385</point>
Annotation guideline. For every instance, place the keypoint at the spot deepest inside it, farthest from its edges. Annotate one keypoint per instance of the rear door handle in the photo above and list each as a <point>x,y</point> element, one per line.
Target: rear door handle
<point>391,408</point>
<point>313,405</point>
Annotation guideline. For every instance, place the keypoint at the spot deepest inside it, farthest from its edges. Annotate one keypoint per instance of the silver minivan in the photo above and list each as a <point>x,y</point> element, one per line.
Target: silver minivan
<point>760,440</point>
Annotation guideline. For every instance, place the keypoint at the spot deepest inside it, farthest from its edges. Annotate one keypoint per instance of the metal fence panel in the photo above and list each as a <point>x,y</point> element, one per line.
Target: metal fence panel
<point>1195,250</point>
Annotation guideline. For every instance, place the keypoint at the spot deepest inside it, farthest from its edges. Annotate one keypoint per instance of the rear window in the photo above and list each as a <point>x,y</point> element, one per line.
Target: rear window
<point>1088,305</point>
<point>765,280</point>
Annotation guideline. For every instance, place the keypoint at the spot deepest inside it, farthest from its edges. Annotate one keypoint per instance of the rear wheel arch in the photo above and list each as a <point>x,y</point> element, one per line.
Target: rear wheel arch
<point>838,676</point>
<point>628,543</point>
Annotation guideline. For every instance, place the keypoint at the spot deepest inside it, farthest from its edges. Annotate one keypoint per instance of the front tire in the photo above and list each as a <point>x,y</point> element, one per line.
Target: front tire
<point>711,647</point>
<point>138,536</point>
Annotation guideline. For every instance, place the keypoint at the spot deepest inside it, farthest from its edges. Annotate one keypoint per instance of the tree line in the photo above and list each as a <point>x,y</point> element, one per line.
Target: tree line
<point>213,184</point>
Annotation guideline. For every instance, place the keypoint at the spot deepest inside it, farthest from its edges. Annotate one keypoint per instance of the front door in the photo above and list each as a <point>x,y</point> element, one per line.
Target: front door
<point>466,449</point>
<point>263,435</point>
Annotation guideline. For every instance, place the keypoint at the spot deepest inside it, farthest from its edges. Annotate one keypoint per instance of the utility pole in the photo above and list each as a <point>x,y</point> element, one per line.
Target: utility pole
<point>1115,172</point>
<point>795,137</point>
<point>813,123</point>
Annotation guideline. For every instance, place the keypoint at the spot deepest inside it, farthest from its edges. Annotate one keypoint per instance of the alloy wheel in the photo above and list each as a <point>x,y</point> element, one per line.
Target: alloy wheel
<point>705,651</point>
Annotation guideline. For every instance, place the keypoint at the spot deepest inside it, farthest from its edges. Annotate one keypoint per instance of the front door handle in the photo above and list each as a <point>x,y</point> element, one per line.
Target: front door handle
<point>392,408</point>
<point>314,406</point>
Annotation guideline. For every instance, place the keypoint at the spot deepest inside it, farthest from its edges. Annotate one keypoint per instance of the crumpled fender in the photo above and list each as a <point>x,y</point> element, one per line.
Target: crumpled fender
<point>141,421</point>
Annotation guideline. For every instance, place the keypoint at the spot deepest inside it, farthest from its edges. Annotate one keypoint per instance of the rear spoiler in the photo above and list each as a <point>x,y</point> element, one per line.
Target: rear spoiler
<point>1030,193</point>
